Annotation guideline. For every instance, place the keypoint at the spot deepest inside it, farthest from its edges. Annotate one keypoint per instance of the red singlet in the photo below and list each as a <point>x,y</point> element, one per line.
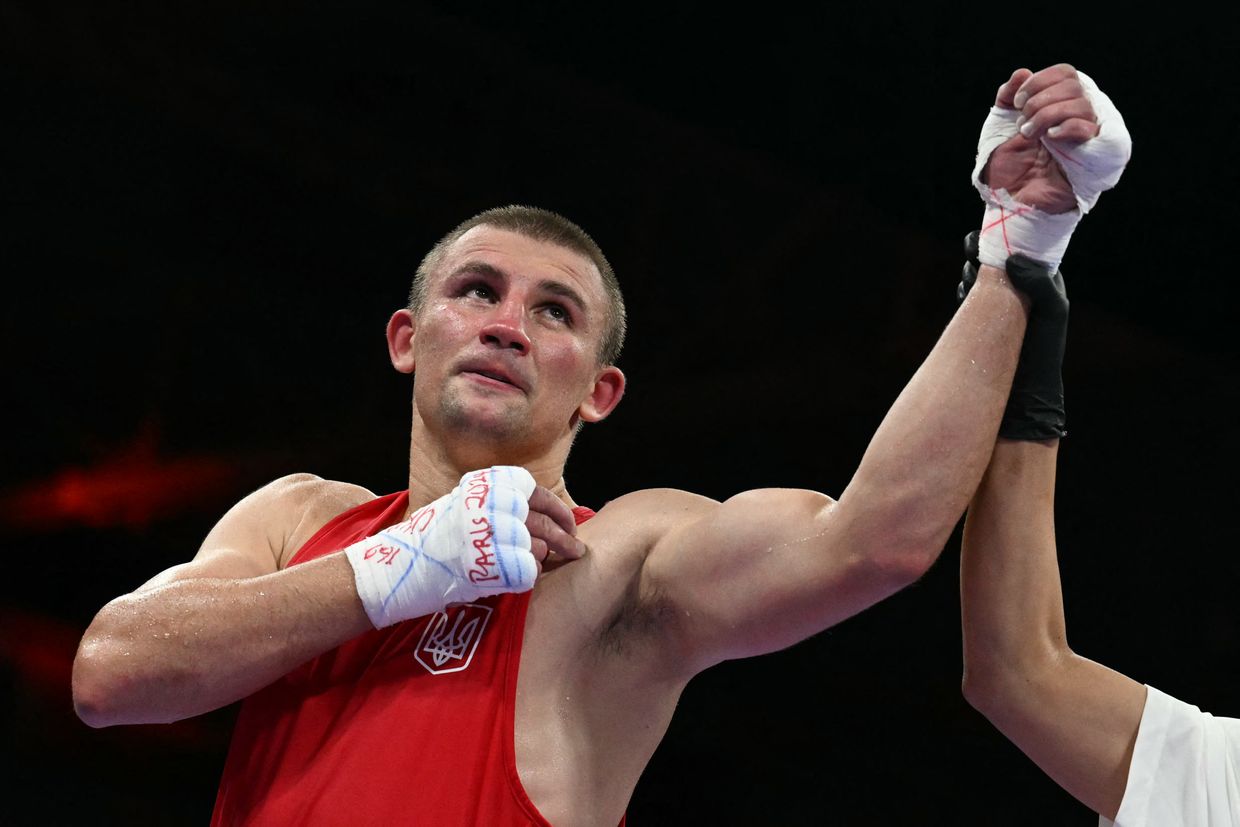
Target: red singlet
<point>412,724</point>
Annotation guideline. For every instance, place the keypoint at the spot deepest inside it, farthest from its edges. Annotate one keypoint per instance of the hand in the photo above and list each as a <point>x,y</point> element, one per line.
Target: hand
<point>1051,103</point>
<point>553,530</point>
<point>475,541</point>
<point>1037,185</point>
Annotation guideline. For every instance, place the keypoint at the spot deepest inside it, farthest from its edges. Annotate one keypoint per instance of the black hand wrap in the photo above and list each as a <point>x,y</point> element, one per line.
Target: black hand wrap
<point>1035,409</point>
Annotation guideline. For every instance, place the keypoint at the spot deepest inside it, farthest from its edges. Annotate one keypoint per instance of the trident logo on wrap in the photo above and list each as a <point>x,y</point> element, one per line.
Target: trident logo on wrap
<point>452,637</point>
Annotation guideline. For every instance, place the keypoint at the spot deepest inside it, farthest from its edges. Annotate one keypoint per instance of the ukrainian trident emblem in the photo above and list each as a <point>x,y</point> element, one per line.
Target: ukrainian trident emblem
<point>452,637</point>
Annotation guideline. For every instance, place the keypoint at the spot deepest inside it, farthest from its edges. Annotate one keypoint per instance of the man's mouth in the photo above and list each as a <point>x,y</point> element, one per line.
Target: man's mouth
<point>491,377</point>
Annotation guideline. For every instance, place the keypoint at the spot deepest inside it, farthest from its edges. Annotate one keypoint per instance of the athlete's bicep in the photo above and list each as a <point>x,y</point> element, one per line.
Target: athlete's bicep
<point>761,571</point>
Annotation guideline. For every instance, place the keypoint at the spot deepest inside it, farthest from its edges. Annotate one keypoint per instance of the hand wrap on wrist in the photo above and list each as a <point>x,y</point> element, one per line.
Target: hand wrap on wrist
<point>1010,227</point>
<point>1035,409</point>
<point>467,544</point>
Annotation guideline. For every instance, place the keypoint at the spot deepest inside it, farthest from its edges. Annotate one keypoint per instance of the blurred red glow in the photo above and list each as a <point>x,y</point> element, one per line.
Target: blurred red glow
<point>40,649</point>
<point>130,490</point>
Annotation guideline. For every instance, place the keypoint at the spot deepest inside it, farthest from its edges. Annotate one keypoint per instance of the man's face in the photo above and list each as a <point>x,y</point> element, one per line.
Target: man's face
<point>506,345</point>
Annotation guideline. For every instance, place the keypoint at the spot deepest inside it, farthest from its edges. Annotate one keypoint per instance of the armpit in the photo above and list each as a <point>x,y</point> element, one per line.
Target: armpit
<point>644,618</point>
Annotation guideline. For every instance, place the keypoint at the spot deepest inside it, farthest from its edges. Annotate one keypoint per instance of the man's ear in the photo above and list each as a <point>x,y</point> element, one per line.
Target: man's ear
<point>400,330</point>
<point>604,396</point>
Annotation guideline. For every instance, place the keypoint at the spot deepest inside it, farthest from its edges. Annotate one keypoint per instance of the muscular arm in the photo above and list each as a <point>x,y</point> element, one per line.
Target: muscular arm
<point>209,632</point>
<point>1074,718</point>
<point>768,568</point>
<point>214,630</point>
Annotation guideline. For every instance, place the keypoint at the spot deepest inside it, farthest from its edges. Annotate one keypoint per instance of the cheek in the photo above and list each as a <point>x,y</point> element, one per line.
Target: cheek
<point>571,363</point>
<point>440,331</point>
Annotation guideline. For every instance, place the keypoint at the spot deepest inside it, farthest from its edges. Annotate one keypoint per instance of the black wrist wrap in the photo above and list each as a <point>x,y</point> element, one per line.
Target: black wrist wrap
<point>1035,409</point>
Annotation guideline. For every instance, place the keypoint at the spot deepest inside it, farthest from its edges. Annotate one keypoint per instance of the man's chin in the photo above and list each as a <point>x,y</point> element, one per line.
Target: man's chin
<point>492,423</point>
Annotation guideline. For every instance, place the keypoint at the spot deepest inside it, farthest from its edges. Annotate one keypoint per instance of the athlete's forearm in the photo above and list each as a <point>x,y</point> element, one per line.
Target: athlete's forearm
<point>195,645</point>
<point>928,455</point>
<point>1074,718</point>
<point>1011,601</point>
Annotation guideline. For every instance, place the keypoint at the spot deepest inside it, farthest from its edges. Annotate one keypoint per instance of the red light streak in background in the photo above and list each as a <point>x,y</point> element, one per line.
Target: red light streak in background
<point>130,490</point>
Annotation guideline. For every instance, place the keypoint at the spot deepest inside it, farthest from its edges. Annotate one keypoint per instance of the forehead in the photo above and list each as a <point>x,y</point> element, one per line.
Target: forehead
<point>521,257</point>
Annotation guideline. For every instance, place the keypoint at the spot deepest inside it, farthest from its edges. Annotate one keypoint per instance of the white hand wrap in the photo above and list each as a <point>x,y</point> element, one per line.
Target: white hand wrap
<point>467,544</point>
<point>1091,167</point>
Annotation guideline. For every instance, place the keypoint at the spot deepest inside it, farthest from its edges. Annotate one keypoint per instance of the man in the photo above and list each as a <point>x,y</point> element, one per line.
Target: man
<point>1131,753</point>
<point>415,675</point>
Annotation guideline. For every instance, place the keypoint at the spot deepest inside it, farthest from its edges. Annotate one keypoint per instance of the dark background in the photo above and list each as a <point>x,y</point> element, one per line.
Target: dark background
<point>212,211</point>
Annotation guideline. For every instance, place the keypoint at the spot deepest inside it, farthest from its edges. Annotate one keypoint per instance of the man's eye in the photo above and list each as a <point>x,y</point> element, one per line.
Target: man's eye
<point>558,313</point>
<point>480,291</point>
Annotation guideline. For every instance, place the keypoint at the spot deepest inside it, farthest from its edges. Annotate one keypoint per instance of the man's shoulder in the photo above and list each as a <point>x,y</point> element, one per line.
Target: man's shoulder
<point>306,495</point>
<point>657,506</point>
<point>625,530</point>
<point>636,522</point>
<point>304,503</point>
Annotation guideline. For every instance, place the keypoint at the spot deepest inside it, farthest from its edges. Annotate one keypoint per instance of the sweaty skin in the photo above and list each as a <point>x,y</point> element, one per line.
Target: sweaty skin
<point>672,582</point>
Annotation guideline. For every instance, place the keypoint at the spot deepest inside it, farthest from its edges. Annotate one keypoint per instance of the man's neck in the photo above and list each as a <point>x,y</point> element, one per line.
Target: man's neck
<point>434,469</point>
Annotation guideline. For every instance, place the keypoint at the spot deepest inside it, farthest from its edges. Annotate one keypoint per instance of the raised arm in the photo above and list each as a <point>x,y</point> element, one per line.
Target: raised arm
<point>1074,718</point>
<point>768,568</point>
<point>212,631</point>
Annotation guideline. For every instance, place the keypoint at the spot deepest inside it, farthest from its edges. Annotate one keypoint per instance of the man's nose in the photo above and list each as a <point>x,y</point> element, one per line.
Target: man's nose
<point>506,328</point>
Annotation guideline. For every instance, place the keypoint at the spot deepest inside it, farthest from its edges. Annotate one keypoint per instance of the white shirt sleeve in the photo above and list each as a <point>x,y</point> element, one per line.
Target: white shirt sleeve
<point>1185,768</point>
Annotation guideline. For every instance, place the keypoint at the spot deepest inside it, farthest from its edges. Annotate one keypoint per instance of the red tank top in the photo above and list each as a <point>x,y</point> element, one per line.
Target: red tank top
<point>412,724</point>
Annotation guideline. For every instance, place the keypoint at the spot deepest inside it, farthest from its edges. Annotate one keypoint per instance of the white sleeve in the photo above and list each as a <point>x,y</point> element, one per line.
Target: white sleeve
<point>1185,768</point>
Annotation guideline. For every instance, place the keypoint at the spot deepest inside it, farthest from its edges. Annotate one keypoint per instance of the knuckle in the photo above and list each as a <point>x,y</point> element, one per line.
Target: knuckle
<point>511,528</point>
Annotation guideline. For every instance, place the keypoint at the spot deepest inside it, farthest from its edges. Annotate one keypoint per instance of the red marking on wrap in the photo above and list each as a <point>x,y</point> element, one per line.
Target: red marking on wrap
<point>385,554</point>
<point>1002,224</point>
<point>484,563</point>
<point>477,488</point>
<point>421,520</point>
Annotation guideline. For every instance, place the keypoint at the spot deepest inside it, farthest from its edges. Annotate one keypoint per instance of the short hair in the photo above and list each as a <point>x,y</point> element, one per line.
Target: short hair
<point>540,225</point>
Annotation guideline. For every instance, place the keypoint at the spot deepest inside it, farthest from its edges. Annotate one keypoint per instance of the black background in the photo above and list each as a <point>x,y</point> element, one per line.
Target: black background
<point>212,211</point>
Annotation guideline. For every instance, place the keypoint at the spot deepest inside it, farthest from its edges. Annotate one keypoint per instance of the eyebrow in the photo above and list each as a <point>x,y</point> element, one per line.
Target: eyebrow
<point>555,288</point>
<point>562,290</point>
<point>478,268</point>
